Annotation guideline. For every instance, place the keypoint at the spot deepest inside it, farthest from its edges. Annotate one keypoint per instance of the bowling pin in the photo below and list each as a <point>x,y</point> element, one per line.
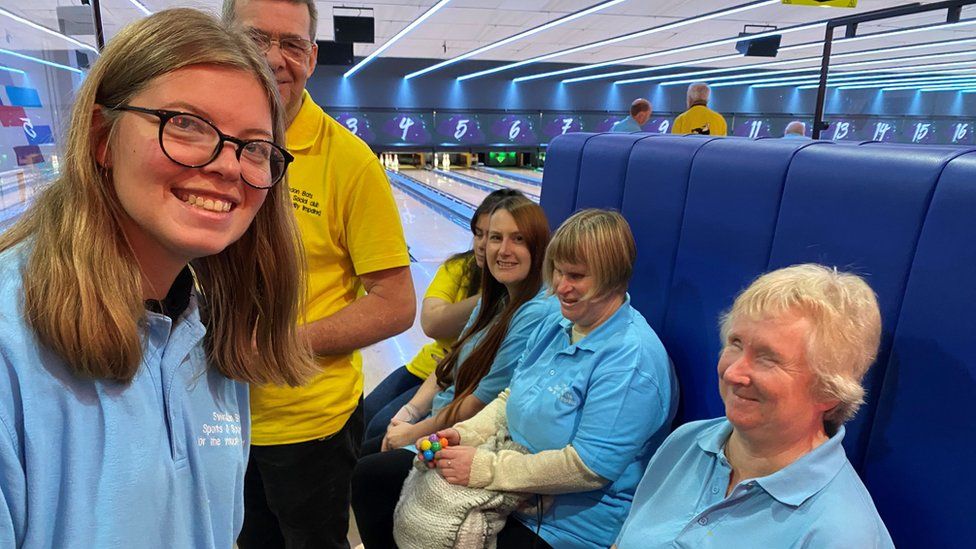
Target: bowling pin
<point>446,162</point>
<point>436,161</point>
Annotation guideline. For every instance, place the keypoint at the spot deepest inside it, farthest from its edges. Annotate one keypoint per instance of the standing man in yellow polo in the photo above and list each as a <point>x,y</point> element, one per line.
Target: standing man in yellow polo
<point>699,118</point>
<point>305,441</point>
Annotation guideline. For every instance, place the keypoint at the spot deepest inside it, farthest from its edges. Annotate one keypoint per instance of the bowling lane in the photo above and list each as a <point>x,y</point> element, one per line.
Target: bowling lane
<point>523,172</point>
<point>529,190</point>
<point>431,236</point>
<point>467,193</point>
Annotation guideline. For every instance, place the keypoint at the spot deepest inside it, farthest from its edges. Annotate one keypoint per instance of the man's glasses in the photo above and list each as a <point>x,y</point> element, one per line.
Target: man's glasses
<point>194,142</point>
<point>295,48</point>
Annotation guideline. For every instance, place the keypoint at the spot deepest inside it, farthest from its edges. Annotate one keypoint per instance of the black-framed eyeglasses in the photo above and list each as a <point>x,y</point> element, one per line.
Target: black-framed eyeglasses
<point>295,48</point>
<point>193,141</point>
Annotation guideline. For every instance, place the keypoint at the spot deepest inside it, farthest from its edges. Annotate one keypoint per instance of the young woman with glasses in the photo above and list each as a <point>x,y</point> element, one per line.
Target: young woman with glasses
<point>141,291</point>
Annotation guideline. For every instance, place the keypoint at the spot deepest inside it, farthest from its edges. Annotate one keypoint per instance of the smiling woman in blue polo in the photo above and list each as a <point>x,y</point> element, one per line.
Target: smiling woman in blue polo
<point>591,399</point>
<point>773,472</point>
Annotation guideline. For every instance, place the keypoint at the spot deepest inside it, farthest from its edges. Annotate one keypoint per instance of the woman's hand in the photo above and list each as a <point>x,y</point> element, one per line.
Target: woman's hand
<point>454,463</point>
<point>452,436</point>
<point>398,434</point>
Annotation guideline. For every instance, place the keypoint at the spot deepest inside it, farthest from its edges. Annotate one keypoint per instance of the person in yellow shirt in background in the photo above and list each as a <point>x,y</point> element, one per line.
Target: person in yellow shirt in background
<point>306,440</point>
<point>699,118</point>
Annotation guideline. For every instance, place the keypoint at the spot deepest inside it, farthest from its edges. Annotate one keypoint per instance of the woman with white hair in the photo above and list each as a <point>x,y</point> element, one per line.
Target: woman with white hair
<point>773,473</point>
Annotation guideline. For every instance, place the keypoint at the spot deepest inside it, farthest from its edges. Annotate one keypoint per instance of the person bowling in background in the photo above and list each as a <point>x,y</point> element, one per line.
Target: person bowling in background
<point>306,440</point>
<point>699,118</point>
<point>640,113</point>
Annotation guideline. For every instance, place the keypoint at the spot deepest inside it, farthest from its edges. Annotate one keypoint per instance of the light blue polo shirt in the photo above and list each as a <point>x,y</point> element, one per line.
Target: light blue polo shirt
<point>84,463</point>
<point>816,501</point>
<point>612,396</point>
<point>627,125</point>
<point>523,323</point>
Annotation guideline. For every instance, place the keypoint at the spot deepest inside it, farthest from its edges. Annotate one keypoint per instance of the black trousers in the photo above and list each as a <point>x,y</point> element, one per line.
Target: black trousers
<point>376,485</point>
<point>516,535</point>
<point>296,496</point>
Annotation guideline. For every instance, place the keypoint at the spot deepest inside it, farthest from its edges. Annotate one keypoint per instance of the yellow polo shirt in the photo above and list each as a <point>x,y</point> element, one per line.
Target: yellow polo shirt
<point>450,285</point>
<point>350,226</point>
<point>700,118</point>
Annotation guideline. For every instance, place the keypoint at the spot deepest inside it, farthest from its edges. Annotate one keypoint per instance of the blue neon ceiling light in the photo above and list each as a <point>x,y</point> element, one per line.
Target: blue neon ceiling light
<point>887,49</point>
<point>755,78</point>
<point>616,39</point>
<point>930,88</point>
<point>682,64</point>
<point>813,81</point>
<point>41,61</point>
<point>810,59</point>
<point>816,69</point>
<point>416,22</point>
<point>11,69</point>
<point>875,84</point>
<point>833,82</point>
<point>46,30</point>
<point>682,49</point>
<point>525,34</point>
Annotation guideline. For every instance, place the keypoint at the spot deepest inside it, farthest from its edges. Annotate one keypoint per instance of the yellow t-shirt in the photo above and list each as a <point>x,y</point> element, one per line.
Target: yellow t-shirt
<point>700,119</point>
<point>449,284</point>
<point>350,226</point>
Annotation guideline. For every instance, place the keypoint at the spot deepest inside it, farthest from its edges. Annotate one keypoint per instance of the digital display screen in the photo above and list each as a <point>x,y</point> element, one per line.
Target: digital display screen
<point>753,128</point>
<point>841,129</point>
<point>883,130</point>
<point>502,158</point>
<point>921,132</point>
<point>658,125</point>
<point>404,129</point>
<point>358,123</point>
<point>561,124</point>
<point>510,129</point>
<point>600,123</point>
<point>459,129</point>
<point>960,133</point>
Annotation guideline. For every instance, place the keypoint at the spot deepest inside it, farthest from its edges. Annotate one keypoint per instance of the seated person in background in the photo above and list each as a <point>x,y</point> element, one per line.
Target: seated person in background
<point>479,366</point>
<point>592,398</point>
<point>795,130</point>
<point>773,473</point>
<point>640,113</point>
<point>447,305</point>
<point>142,291</point>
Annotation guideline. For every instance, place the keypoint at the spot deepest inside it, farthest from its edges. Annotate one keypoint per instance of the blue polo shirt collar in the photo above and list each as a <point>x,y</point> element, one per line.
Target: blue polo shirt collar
<point>592,340</point>
<point>797,482</point>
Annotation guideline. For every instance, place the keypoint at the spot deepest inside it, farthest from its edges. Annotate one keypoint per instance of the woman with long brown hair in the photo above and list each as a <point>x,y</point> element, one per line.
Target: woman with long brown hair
<point>142,291</point>
<point>513,301</point>
<point>447,306</point>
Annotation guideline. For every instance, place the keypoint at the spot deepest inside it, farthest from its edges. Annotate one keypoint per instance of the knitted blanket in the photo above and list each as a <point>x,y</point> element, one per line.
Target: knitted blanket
<point>433,513</point>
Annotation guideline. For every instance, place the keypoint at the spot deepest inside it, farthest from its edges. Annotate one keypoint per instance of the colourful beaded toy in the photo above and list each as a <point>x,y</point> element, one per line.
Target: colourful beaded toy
<point>430,446</point>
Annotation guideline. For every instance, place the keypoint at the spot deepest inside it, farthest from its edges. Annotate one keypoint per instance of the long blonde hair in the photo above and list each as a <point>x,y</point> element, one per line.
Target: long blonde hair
<point>82,284</point>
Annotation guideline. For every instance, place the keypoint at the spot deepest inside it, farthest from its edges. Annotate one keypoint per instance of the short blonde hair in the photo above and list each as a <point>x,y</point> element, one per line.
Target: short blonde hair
<point>599,239</point>
<point>846,321</point>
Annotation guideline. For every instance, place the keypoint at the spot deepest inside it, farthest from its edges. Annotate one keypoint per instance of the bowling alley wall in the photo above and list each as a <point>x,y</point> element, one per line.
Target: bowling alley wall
<point>434,107</point>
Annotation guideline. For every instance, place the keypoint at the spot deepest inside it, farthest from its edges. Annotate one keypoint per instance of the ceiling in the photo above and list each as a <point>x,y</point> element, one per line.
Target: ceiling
<point>464,25</point>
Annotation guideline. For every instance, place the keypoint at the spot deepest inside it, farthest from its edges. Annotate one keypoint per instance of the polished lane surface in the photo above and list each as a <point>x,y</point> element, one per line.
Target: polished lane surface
<point>529,190</point>
<point>467,193</point>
